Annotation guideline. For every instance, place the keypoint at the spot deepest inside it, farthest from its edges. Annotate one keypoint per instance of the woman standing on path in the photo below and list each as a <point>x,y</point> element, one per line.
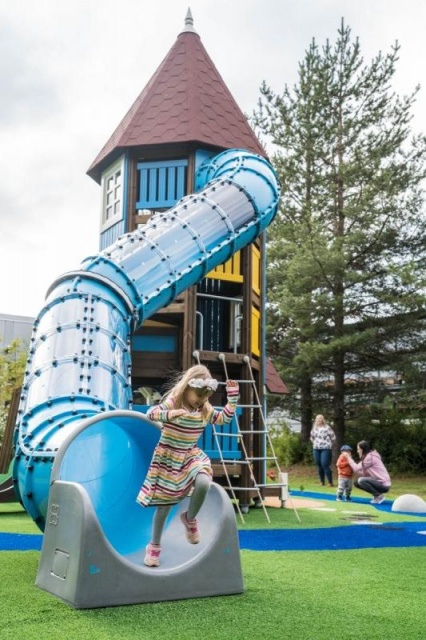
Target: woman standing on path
<point>322,438</point>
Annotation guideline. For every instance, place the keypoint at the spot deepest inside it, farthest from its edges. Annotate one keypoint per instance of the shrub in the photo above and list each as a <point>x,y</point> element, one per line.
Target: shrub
<point>399,438</point>
<point>12,366</point>
<point>288,446</point>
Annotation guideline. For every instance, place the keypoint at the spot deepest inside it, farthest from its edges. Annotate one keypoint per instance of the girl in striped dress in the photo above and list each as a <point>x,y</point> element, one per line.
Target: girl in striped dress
<point>179,466</point>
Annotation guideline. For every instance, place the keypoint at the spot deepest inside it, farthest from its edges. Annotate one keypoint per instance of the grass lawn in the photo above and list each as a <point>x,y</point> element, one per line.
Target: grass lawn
<point>376,594</point>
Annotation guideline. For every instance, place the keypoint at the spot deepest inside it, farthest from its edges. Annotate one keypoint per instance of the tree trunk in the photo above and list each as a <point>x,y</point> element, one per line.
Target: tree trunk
<point>339,401</point>
<point>306,405</point>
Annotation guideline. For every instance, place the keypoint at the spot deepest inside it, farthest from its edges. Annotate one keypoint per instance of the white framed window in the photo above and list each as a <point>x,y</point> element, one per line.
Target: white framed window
<point>112,194</point>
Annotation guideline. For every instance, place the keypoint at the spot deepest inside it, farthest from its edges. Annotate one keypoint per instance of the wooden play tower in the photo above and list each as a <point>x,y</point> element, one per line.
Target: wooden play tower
<point>184,116</point>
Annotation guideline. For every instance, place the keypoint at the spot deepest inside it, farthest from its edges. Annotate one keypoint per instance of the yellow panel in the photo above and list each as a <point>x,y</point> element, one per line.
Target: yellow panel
<point>255,331</point>
<point>255,262</point>
<point>230,270</point>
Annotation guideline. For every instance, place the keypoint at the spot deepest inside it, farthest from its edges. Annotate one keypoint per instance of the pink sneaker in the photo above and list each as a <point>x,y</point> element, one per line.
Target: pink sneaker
<point>191,528</point>
<point>152,555</point>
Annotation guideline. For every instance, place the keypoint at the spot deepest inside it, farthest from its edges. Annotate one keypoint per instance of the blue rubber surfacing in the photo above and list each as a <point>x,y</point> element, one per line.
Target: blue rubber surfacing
<point>371,535</point>
<point>20,542</point>
<point>365,536</point>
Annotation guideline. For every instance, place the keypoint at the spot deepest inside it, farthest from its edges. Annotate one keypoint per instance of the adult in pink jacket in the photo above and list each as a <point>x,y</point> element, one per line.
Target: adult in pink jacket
<point>373,476</point>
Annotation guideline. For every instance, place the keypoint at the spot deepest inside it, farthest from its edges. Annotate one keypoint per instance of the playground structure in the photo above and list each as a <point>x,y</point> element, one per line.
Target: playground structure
<point>80,454</point>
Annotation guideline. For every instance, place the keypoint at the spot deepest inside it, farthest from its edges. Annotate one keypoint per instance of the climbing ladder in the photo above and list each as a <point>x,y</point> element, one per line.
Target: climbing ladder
<point>247,459</point>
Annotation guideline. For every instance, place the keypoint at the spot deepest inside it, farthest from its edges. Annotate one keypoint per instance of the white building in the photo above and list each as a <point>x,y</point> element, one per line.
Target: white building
<point>13,328</point>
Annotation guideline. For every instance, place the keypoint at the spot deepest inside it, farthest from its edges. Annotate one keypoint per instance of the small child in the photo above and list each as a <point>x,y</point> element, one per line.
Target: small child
<point>345,474</point>
<point>179,467</point>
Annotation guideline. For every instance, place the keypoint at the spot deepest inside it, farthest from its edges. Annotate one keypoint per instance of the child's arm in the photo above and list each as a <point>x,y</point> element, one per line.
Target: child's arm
<point>164,412</point>
<point>225,416</point>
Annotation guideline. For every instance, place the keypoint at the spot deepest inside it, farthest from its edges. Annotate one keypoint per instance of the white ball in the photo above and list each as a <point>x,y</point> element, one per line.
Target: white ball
<point>410,504</point>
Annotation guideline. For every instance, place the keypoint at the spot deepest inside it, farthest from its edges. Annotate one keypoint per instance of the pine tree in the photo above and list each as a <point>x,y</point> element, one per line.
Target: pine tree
<point>347,251</point>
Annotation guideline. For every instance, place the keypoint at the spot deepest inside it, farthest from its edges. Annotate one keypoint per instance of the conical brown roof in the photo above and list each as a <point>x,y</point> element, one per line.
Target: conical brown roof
<point>186,100</point>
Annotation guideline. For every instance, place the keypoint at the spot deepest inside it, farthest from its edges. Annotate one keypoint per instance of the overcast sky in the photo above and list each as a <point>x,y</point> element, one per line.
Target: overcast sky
<point>69,71</point>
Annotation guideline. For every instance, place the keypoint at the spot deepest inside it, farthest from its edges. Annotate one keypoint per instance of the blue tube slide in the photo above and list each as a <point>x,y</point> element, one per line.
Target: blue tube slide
<point>76,394</point>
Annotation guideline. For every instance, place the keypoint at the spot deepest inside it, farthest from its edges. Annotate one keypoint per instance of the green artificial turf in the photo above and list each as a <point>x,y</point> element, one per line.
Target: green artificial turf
<point>13,519</point>
<point>371,593</point>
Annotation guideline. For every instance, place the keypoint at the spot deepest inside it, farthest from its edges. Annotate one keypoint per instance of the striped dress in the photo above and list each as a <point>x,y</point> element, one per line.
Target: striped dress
<point>177,459</point>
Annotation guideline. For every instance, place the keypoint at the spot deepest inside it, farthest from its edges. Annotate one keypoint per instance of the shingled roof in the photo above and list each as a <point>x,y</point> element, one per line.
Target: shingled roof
<point>274,382</point>
<point>186,100</point>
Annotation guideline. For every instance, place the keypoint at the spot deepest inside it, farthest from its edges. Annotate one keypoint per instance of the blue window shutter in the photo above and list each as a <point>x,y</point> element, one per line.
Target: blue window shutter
<point>161,184</point>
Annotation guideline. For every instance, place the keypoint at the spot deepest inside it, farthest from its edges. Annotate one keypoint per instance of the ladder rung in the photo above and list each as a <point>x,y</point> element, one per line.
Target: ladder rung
<point>227,461</point>
<point>255,431</point>
<point>249,406</point>
<point>240,432</point>
<point>234,435</point>
<point>261,458</point>
<point>254,488</point>
<point>273,484</point>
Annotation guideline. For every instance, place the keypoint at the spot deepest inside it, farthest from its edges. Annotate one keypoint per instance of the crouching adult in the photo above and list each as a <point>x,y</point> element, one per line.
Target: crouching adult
<point>372,475</point>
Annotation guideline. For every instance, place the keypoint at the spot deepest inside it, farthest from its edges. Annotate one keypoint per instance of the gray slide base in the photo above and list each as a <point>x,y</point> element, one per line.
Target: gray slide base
<point>80,566</point>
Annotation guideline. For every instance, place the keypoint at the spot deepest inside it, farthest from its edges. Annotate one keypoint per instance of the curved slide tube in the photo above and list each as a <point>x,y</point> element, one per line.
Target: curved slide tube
<point>71,428</point>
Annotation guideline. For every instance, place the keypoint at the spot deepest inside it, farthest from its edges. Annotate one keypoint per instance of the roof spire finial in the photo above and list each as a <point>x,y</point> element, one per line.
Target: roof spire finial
<point>189,22</point>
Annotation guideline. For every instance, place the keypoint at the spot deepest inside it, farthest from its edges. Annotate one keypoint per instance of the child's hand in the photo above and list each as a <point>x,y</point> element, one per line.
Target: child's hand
<point>232,388</point>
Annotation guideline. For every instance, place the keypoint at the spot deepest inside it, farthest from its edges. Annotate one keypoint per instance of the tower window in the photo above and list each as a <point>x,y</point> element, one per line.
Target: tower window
<point>112,190</point>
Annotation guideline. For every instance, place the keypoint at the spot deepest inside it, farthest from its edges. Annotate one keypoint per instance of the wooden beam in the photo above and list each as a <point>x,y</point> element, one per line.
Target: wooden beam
<point>141,219</point>
<point>189,329</point>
